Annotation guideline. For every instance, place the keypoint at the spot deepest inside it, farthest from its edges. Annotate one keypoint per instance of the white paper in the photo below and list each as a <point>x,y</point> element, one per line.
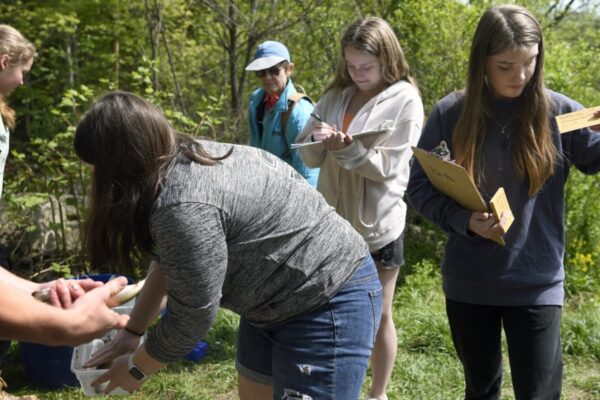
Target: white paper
<point>354,135</point>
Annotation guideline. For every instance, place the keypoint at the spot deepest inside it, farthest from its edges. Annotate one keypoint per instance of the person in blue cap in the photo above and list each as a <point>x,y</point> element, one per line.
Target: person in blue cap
<point>277,113</point>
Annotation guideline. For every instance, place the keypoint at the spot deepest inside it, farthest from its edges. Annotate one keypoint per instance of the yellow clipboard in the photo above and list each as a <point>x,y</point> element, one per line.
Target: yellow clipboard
<point>454,181</point>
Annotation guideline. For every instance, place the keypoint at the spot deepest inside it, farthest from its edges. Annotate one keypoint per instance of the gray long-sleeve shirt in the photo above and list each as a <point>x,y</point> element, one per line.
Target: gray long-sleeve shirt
<point>529,269</point>
<point>248,234</point>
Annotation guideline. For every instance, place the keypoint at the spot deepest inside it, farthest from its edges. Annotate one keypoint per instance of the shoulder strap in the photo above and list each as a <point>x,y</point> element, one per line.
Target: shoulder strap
<point>292,100</point>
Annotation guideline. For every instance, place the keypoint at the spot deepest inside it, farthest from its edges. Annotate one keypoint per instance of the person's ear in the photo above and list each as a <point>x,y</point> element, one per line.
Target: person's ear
<point>4,61</point>
<point>290,69</point>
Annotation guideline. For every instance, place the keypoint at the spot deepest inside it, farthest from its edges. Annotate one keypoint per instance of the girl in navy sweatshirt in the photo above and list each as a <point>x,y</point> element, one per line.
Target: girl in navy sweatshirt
<point>501,129</point>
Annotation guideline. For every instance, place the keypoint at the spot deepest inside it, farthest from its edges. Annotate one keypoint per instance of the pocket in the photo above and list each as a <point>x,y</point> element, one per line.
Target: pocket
<point>376,297</point>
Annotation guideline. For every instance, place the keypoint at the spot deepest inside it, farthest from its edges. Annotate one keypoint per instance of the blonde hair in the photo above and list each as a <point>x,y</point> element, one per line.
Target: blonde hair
<point>534,153</point>
<point>19,50</point>
<point>374,36</point>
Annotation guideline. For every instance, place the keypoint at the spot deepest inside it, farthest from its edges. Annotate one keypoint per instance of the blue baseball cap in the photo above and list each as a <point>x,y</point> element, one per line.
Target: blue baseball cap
<point>267,54</point>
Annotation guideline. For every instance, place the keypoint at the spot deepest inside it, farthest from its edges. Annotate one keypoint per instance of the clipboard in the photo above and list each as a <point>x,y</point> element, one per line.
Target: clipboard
<point>354,135</point>
<point>454,181</point>
<point>577,120</point>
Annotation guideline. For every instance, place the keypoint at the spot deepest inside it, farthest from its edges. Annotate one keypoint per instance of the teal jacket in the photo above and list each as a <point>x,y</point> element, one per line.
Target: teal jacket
<point>271,140</point>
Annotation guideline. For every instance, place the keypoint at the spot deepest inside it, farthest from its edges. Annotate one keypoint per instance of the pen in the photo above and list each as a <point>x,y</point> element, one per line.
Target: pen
<point>312,114</point>
<point>347,138</point>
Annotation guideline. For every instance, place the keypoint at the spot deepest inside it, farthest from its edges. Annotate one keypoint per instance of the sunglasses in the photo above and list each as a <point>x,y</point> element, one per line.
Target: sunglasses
<point>273,71</point>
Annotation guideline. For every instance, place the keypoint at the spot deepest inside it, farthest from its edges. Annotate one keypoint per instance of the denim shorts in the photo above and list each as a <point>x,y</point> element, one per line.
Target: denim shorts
<point>320,355</point>
<point>391,255</point>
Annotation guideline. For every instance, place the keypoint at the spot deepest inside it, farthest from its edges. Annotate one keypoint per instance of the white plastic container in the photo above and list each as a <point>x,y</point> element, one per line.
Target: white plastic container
<point>87,375</point>
<point>83,353</point>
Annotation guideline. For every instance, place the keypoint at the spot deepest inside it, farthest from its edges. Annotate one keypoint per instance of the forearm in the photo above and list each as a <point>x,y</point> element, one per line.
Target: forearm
<point>384,159</point>
<point>17,282</point>
<point>145,361</point>
<point>149,301</point>
<point>24,318</point>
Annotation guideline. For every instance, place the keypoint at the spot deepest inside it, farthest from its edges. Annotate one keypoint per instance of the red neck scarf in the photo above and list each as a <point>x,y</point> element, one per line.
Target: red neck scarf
<point>270,100</point>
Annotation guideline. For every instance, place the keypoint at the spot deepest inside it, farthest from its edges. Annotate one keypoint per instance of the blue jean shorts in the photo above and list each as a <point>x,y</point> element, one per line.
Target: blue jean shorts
<point>391,256</point>
<point>321,355</point>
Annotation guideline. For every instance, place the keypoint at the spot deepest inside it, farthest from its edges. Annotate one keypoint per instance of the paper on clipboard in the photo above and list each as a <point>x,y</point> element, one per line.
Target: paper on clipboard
<point>354,135</point>
<point>577,120</point>
<point>499,205</point>
<point>454,181</point>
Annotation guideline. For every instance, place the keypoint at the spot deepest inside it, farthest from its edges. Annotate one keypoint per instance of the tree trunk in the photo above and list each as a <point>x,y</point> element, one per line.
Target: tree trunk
<point>153,22</point>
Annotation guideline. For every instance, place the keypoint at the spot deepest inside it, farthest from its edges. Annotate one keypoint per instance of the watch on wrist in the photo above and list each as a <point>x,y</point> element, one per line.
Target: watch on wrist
<point>135,371</point>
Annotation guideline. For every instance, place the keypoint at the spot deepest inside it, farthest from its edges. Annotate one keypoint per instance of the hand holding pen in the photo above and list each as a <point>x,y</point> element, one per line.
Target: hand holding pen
<point>329,135</point>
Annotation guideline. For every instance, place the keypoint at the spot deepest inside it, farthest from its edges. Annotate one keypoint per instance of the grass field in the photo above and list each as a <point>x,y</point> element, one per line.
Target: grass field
<point>426,367</point>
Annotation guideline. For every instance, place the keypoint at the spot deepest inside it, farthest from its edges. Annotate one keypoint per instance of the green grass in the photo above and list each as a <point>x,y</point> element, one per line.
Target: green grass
<point>426,367</point>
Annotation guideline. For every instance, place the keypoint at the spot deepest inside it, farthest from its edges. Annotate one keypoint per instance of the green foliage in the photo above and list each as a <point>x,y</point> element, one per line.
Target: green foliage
<point>581,329</point>
<point>420,297</point>
<point>582,258</point>
<point>437,52</point>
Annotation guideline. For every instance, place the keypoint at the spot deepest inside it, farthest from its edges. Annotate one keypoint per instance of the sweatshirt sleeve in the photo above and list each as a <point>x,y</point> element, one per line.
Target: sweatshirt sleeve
<point>427,200</point>
<point>190,241</point>
<point>299,118</point>
<point>582,146</point>
<point>383,162</point>
<point>313,156</point>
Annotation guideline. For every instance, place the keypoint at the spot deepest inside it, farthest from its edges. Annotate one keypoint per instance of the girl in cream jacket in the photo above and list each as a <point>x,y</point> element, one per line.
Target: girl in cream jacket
<point>365,181</point>
<point>365,177</point>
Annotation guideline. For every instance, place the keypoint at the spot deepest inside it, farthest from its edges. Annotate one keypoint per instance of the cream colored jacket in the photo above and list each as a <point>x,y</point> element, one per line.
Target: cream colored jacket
<point>366,180</point>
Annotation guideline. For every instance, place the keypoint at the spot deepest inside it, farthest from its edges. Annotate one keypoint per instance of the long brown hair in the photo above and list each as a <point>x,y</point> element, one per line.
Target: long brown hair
<point>19,50</point>
<point>130,144</point>
<point>374,36</point>
<point>534,152</point>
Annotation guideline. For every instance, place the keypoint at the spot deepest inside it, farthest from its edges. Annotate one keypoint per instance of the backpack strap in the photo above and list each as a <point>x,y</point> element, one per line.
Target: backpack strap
<point>292,100</point>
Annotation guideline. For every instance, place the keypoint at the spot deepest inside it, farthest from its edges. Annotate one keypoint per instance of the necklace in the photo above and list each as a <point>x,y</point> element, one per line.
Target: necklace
<point>502,127</point>
<point>505,139</point>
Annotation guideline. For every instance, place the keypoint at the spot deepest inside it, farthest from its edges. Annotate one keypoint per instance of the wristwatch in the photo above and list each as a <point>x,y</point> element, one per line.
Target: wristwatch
<point>135,371</point>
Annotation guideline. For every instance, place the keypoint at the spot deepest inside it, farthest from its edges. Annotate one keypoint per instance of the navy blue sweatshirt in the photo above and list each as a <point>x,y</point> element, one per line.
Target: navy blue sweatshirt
<point>529,269</point>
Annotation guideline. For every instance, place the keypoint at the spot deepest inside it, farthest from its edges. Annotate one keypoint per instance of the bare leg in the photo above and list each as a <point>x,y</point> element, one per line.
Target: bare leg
<point>251,390</point>
<point>386,343</point>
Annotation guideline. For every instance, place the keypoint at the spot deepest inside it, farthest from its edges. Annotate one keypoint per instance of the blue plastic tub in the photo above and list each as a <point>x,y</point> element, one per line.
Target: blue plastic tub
<point>48,366</point>
<point>51,366</point>
<point>198,352</point>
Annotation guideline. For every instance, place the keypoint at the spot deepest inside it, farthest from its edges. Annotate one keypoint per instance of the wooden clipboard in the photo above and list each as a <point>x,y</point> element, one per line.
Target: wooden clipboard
<point>577,120</point>
<point>454,181</point>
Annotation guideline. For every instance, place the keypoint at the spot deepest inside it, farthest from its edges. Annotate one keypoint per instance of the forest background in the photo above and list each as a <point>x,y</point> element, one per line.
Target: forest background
<point>188,57</point>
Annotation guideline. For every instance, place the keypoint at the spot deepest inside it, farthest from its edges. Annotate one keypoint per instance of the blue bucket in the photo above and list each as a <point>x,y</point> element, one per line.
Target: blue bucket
<point>51,365</point>
<point>198,352</point>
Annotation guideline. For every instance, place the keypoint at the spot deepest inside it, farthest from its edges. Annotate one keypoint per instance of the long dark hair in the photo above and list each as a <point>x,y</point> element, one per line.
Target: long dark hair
<point>130,144</point>
<point>535,154</point>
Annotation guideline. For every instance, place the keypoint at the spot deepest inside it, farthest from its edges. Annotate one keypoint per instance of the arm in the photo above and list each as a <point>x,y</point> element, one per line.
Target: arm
<point>427,200</point>
<point>382,162</point>
<point>24,318</point>
<point>596,127</point>
<point>16,282</point>
<point>313,156</point>
<point>60,293</point>
<point>193,258</point>
<point>147,307</point>
<point>582,147</point>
